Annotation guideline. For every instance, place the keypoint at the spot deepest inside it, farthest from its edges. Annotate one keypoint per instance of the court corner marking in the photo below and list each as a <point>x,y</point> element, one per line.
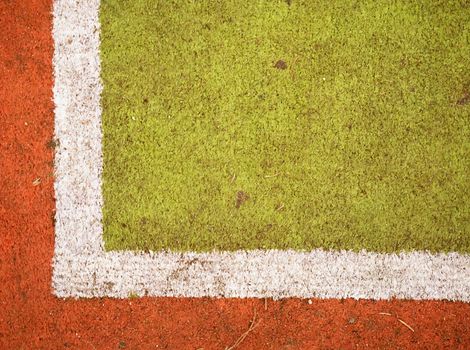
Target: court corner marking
<point>81,267</point>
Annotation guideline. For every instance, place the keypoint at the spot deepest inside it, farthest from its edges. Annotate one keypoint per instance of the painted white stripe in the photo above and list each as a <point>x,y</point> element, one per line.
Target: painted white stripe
<point>83,269</point>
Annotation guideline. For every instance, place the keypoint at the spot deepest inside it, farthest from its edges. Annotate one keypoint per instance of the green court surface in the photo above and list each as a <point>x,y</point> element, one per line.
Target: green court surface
<point>286,124</point>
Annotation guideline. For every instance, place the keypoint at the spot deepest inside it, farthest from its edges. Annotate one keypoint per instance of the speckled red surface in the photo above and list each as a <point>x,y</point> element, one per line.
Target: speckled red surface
<point>32,318</point>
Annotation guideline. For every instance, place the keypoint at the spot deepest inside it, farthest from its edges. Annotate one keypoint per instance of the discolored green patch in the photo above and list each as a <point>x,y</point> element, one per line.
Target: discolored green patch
<point>286,124</point>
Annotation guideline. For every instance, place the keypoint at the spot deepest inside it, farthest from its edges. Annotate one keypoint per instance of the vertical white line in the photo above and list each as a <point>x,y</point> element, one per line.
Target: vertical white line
<point>78,159</point>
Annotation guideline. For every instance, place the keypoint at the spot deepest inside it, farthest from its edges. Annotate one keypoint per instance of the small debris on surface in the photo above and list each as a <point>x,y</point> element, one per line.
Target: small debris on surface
<point>234,177</point>
<point>52,144</point>
<point>280,65</point>
<point>309,302</point>
<point>252,326</point>
<point>385,313</point>
<point>279,207</point>
<point>36,181</point>
<point>242,197</point>
<point>406,325</point>
<point>399,320</point>
<point>352,320</point>
<point>269,176</point>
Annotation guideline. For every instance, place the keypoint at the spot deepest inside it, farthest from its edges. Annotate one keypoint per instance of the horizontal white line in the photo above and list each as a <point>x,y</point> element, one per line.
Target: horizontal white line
<point>83,269</point>
<point>273,273</point>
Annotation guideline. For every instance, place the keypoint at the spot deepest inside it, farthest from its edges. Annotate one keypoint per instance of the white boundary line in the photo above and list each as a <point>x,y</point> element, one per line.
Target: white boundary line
<point>81,268</point>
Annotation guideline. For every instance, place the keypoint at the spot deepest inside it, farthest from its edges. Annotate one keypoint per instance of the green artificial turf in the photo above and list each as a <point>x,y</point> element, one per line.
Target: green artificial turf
<point>236,124</point>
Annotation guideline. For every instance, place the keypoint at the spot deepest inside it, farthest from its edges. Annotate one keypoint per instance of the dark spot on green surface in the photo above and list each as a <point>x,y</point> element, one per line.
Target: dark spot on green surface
<point>465,99</point>
<point>280,65</point>
<point>242,197</point>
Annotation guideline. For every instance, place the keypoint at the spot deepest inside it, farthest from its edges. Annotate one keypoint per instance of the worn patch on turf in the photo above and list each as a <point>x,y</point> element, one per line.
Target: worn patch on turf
<point>82,267</point>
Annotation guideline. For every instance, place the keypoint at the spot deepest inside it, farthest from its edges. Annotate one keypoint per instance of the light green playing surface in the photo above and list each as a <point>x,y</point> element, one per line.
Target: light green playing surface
<point>286,124</point>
